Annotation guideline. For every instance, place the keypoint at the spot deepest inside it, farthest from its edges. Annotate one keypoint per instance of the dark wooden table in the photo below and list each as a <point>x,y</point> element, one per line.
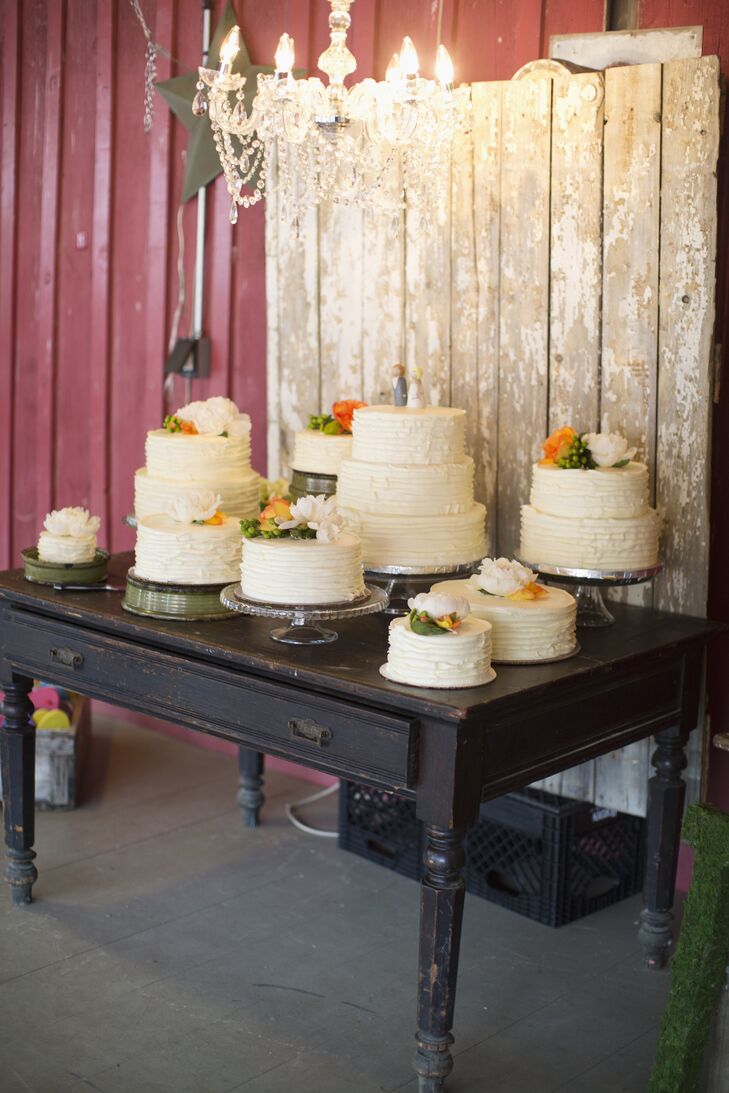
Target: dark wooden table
<point>329,708</point>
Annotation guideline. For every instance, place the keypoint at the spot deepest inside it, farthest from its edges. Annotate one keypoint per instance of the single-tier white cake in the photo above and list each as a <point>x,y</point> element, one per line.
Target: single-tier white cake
<point>180,464</point>
<point>316,452</point>
<point>302,571</point>
<point>591,519</point>
<point>407,491</point>
<point>187,553</point>
<point>461,658</point>
<point>522,630</point>
<point>69,536</point>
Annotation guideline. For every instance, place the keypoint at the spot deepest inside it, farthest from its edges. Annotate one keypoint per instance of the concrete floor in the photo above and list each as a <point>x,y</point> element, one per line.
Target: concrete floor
<point>172,951</point>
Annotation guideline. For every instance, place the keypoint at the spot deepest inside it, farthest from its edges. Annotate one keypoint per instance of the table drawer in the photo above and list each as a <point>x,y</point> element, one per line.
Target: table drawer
<point>278,718</point>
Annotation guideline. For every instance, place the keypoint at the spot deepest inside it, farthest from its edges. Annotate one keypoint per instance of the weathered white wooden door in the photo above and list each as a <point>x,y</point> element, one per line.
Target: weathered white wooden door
<point>570,280</point>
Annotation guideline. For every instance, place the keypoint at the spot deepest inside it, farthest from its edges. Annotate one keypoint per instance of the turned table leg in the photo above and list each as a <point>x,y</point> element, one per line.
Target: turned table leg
<point>666,793</point>
<point>250,795</point>
<point>17,752</point>
<point>441,913</point>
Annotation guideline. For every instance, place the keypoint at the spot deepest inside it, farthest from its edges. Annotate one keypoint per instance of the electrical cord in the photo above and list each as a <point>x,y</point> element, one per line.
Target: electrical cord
<point>292,818</point>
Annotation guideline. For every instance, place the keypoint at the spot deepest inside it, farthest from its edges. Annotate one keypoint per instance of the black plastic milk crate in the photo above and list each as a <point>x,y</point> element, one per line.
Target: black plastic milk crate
<point>543,856</point>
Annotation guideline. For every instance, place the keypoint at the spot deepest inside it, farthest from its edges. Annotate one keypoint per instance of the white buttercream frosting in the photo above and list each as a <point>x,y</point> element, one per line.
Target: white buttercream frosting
<point>459,658</point>
<point>604,491</point>
<point>238,497</point>
<point>522,629</point>
<point>210,459</point>
<point>318,453</point>
<point>398,434</point>
<point>176,553</point>
<point>607,543</point>
<point>416,488</point>
<point>419,540</point>
<point>302,571</point>
<point>66,548</point>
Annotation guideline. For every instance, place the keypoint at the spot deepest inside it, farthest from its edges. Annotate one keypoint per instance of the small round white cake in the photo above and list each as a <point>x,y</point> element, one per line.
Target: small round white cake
<point>522,630</point>
<point>302,571</point>
<point>69,536</point>
<point>316,452</point>
<point>187,553</point>
<point>459,658</point>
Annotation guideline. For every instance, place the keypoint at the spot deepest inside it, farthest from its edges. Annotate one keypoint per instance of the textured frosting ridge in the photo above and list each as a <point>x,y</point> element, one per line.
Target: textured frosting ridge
<point>522,629</point>
<point>419,540</point>
<point>176,553</point>
<point>318,453</point>
<point>458,659</point>
<point>606,543</point>
<point>238,495</point>
<point>180,456</point>
<point>302,571</point>
<point>604,491</point>
<point>396,434</point>
<point>418,489</point>
<point>68,549</point>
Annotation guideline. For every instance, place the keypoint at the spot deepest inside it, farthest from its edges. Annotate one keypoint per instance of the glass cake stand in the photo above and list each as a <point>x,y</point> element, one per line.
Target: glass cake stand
<point>402,582</point>
<point>589,583</point>
<point>302,628</point>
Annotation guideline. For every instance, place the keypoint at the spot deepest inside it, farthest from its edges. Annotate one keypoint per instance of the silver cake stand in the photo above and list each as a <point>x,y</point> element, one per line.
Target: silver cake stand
<point>589,583</point>
<point>302,628</point>
<point>402,582</point>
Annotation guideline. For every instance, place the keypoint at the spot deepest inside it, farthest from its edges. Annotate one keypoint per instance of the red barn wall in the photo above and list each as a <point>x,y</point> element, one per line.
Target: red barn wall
<point>88,237</point>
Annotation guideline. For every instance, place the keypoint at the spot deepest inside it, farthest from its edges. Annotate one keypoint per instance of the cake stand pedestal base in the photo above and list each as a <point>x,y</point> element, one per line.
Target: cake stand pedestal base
<point>402,583</point>
<point>302,628</point>
<point>588,586</point>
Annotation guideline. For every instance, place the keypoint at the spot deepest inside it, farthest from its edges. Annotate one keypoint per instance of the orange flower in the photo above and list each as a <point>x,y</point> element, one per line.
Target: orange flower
<point>557,445</point>
<point>276,507</point>
<point>448,622</point>
<point>344,410</point>
<point>531,591</point>
<point>215,519</point>
<point>188,427</point>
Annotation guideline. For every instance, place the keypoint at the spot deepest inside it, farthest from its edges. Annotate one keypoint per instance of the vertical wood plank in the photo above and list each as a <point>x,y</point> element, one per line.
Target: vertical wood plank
<point>47,282</point>
<point>383,303</point>
<point>487,122</point>
<point>524,279</point>
<point>689,155</point>
<point>340,306</point>
<point>631,206</point>
<point>273,326</point>
<point>101,268</point>
<point>576,252</point>
<point>247,317</point>
<point>10,55</point>
<point>428,300</point>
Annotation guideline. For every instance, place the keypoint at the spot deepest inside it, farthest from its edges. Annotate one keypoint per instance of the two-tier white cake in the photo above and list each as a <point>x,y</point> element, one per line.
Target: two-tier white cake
<point>407,491</point>
<point>205,446</point>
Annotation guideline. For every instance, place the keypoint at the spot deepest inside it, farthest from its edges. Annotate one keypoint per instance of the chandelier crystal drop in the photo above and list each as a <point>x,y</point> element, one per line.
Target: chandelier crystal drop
<point>375,145</point>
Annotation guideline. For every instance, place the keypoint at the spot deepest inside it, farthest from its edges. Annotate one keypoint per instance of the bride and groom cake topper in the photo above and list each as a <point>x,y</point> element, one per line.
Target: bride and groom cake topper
<point>410,394</point>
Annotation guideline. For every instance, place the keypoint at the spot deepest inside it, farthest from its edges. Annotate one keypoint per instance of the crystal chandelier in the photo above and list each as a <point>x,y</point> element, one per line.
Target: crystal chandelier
<point>375,145</point>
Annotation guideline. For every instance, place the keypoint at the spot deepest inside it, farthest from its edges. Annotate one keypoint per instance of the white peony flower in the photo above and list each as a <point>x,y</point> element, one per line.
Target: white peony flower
<point>312,511</point>
<point>194,508</point>
<point>608,449</point>
<point>215,416</point>
<point>72,521</point>
<point>330,529</point>
<point>239,426</point>
<point>500,577</point>
<point>440,604</point>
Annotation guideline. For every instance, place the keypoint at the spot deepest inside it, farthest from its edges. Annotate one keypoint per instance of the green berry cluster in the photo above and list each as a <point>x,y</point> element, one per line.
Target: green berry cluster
<point>172,423</point>
<point>578,457</point>
<point>325,423</point>
<point>250,529</point>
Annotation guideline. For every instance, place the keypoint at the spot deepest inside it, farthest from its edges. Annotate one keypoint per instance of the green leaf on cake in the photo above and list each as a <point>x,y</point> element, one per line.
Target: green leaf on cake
<point>423,624</point>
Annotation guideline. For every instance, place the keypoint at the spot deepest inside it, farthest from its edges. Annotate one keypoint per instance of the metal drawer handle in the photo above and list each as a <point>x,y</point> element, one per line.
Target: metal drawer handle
<point>309,730</point>
<point>67,657</point>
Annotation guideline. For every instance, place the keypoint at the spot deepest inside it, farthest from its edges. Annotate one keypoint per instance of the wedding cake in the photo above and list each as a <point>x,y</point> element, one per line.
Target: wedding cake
<point>326,441</point>
<point>529,621</point>
<point>191,544</point>
<point>439,644</point>
<point>204,446</point>
<point>407,490</point>
<point>69,536</point>
<point>589,506</point>
<point>299,553</point>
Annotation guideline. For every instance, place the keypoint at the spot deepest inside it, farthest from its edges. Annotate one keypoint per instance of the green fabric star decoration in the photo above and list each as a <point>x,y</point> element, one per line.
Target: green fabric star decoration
<point>203,163</point>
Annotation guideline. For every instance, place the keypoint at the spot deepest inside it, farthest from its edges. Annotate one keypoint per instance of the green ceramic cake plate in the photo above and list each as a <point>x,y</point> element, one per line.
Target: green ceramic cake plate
<point>304,483</point>
<point>186,603</point>
<point>61,573</point>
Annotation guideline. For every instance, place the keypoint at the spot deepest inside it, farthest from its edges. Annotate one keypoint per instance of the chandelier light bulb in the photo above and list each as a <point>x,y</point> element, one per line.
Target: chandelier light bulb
<point>284,55</point>
<point>443,67</point>
<point>392,74</point>
<point>408,61</point>
<point>230,47</point>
